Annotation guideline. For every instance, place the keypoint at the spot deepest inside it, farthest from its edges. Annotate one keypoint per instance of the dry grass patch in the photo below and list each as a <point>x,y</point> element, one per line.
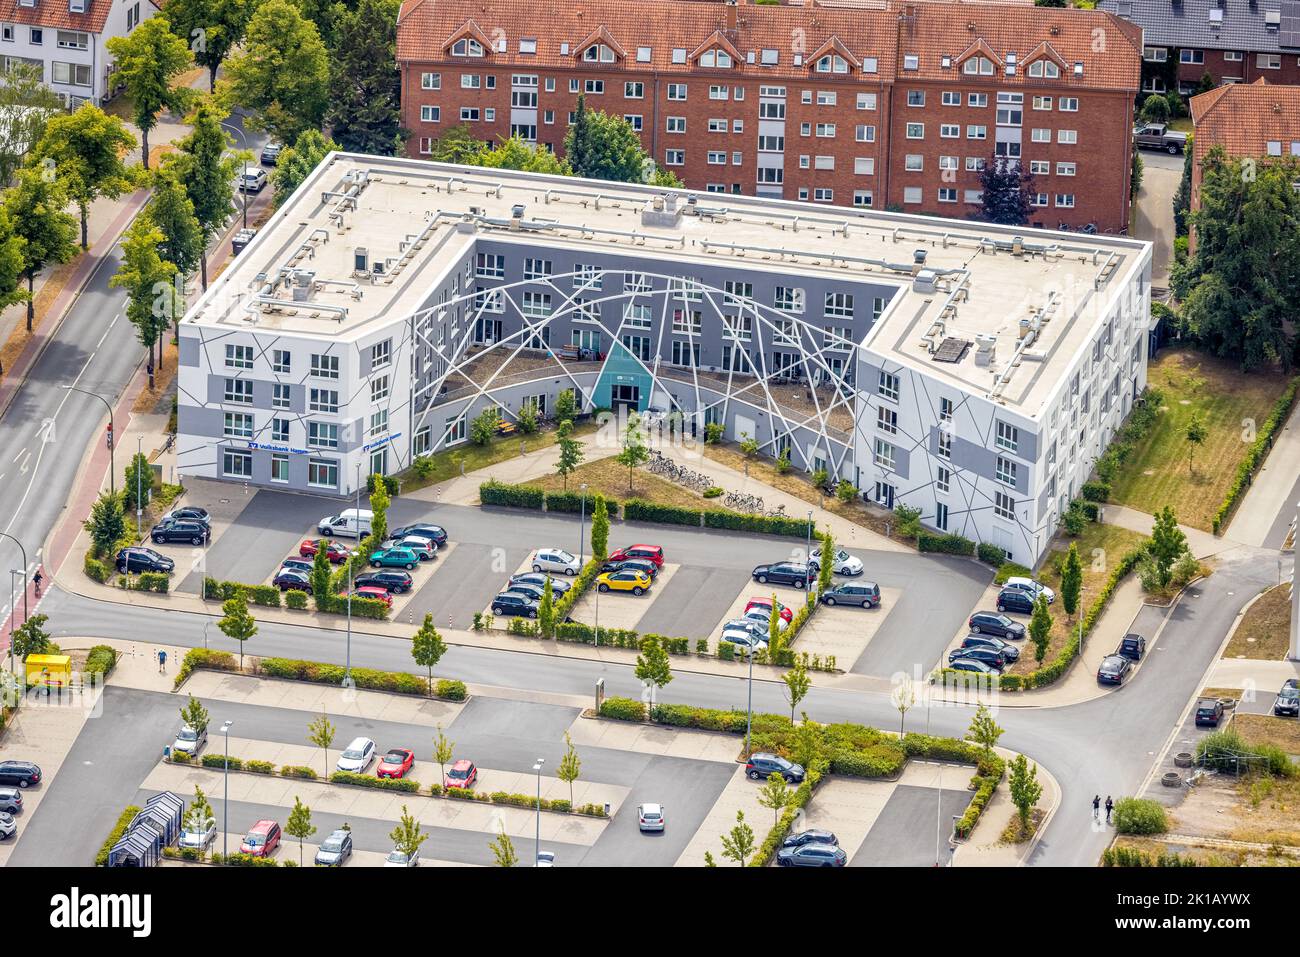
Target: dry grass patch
<point>1269,729</point>
<point>1017,833</point>
<point>1265,629</point>
<point>610,479</point>
<point>1233,693</point>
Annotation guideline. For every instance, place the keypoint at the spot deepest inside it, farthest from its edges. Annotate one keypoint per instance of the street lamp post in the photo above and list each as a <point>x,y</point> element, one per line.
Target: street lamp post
<point>582,524</point>
<point>112,442</point>
<point>24,554</point>
<point>139,501</point>
<point>537,845</point>
<point>749,705</point>
<point>243,184</point>
<point>225,801</point>
<point>808,547</point>
<point>13,613</point>
<point>347,669</point>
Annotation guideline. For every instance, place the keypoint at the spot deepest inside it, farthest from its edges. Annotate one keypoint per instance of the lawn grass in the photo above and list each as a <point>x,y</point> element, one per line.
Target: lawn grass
<point>609,478</point>
<point>1268,729</point>
<point>1265,629</point>
<point>1157,473</point>
<point>447,463</point>
<point>1100,549</point>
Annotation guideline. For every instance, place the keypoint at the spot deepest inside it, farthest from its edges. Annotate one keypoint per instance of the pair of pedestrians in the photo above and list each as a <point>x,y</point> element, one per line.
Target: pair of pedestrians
<point>1096,807</point>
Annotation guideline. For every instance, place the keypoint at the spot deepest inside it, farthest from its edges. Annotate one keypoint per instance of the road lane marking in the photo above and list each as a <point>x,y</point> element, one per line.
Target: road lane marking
<point>20,454</point>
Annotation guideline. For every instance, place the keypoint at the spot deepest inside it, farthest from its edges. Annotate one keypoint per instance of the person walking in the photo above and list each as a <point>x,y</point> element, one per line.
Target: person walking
<point>1110,805</point>
<point>162,661</point>
<point>1096,807</point>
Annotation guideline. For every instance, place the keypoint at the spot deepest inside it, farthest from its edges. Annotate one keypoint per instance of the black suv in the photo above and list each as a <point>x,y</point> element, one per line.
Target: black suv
<point>1287,702</point>
<point>196,533</point>
<point>22,773</point>
<point>630,565</point>
<point>514,604</point>
<point>1209,712</point>
<point>1012,599</point>
<point>1113,670</point>
<point>139,559</point>
<point>989,656</point>
<point>436,533</point>
<point>782,573</point>
<point>188,513</point>
<point>1132,646</point>
<point>760,765</point>
<point>866,594</point>
<point>388,579</point>
<point>988,623</point>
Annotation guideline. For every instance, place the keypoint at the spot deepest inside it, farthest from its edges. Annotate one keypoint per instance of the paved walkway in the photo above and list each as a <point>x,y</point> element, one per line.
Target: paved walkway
<point>1271,503</point>
<point>985,847</point>
<point>1251,674</point>
<point>1201,543</point>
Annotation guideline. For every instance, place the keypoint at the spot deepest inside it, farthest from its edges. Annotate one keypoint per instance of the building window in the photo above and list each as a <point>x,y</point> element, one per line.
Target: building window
<point>864,134</point>
<point>1005,471</point>
<point>1068,104</point>
<point>381,353</point>
<point>325,367</point>
<point>887,386</point>
<point>279,468</point>
<point>430,114</point>
<point>235,464</point>
<point>839,305</point>
<point>378,423</point>
<point>324,400</point>
<point>279,430</point>
<point>943,479</point>
<point>916,131</point>
<point>238,425</point>
<point>887,420</point>
<point>945,444</point>
<point>536,304</point>
<point>322,473</point>
<point>677,91</point>
<point>1004,506</point>
<point>239,390</point>
<point>675,157</point>
<point>455,431</point>
<point>941,516</point>
<point>280,361</point>
<point>1008,437</point>
<point>884,454</point>
<point>323,435</point>
<point>239,357</point>
<point>379,389</point>
<point>537,268</point>
<point>489,266</point>
<point>789,299</point>
<point>431,81</point>
<point>280,396</point>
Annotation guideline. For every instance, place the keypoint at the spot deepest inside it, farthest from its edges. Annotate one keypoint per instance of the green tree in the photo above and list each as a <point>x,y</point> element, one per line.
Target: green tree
<point>320,577</point>
<point>458,145</point>
<point>321,733</point>
<point>171,210</point>
<point>36,229</point>
<point>515,153</point>
<point>443,751</point>
<point>983,730</point>
<point>26,105</point>
<point>379,502</point>
<point>653,667</point>
<point>797,684</point>
<point>237,624</point>
<point>566,406</point>
<point>139,475</point>
<point>1007,191</point>
<point>748,445</point>
<point>1071,580</point>
<point>148,59</point>
<point>1196,433</point>
<point>87,147</point>
<point>199,817</point>
<point>571,451</point>
<point>1167,543</point>
<point>826,567</point>
<point>1025,788</point>
<point>601,146</point>
<point>570,765</point>
<point>211,28</point>
<point>106,524</point>
<point>427,648</point>
<point>1040,628</point>
<point>546,611</point>
<point>634,448</point>
<point>739,843</point>
<point>503,849</point>
<point>1240,289</point>
<point>484,425</point>
<point>775,794</point>
<point>195,715</point>
<point>297,162</point>
<point>31,638</point>
<point>407,836</point>
<point>807,746</point>
<point>153,302</point>
<point>774,639</point>
<point>207,173</point>
<point>599,530</point>
<point>282,74</point>
<point>708,859</point>
<point>11,262</point>
<point>1155,109</point>
<point>903,696</point>
<point>365,86</point>
<point>527,418</point>
<point>299,824</point>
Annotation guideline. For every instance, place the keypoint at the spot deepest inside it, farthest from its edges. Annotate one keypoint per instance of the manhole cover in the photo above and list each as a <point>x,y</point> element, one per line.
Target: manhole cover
<point>224,501</point>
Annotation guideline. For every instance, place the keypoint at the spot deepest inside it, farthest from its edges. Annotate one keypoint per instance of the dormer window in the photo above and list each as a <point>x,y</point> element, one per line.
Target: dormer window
<point>717,58</point>
<point>978,66</point>
<point>598,53</point>
<point>832,63</point>
<point>467,46</point>
<point>76,6</point>
<point>528,45</point>
<point>1046,69</point>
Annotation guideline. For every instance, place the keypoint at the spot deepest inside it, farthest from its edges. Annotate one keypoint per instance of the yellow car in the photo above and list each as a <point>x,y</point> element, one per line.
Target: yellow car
<point>638,583</point>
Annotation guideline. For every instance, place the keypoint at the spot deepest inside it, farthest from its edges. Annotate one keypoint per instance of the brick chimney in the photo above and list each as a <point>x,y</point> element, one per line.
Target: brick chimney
<point>731,14</point>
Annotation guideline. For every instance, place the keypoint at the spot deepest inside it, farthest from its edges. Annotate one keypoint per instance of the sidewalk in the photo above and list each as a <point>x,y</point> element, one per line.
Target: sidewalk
<point>1202,544</point>
<point>1273,493</point>
<point>985,847</point>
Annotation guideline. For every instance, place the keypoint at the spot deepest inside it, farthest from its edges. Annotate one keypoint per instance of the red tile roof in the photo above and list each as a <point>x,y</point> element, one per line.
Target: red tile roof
<point>883,30</point>
<point>56,15</point>
<point>1244,118</point>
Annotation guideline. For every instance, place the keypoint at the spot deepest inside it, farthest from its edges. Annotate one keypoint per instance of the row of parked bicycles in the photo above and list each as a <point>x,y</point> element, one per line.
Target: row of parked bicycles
<point>664,466</point>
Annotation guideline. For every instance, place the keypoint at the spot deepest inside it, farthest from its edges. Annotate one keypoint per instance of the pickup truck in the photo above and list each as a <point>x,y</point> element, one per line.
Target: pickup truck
<point>1156,136</point>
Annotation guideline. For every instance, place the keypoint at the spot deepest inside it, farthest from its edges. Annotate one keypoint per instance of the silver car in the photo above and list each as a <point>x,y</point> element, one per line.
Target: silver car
<point>400,858</point>
<point>650,817</point>
<point>8,826</point>
<point>11,800</point>
<point>188,741</point>
<point>356,757</point>
<point>335,849</point>
<point>199,840</point>
<point>740,632</point>
<point>556,561</point>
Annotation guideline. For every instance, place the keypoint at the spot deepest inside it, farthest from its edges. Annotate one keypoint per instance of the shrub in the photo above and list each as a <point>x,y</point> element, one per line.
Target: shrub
<point>96,570</point>
<point>423,466</point>
<point>1140,816</point>
<point>639,510</point>
<point>764,524</point>
<point>909,521</point>
<point>1010,570</point>
<point>623,709</point>
<point>294,598</point>
<point>571,503</point>
<point>210,659</point>
<point>714,491</point>
<point>946,544</point>
<point>713,432</point>
<point>702,646</point>
<point>298,771</point>
<point>259,767</point>
<point>990,554</point>
<point>1096,491</point>
<point>1228,752</point>
<point>370,781</point>
<point>391,484</point>
<point>267,595</point>
<point>450,689</point>
<point>101,660</point>
<point>1128,857</point>
<point>221,761</point>
<point>115,834</point>
<point>493,492</point>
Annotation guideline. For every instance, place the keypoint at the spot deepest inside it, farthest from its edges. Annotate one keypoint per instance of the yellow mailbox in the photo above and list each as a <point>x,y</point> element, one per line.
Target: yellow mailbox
<point>53,671</point>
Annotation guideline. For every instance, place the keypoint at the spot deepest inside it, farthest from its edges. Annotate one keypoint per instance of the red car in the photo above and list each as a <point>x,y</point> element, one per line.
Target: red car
<point>395,763</point>
<point>336,552</point>
<point>650,553</point>
<point>261,840</point>
<point>766,604</point>
<point>375,592</point>
<point>463,774</point>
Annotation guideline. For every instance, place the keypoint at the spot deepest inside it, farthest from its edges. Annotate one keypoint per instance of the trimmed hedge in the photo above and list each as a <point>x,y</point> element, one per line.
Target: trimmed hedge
<point>945,544</point>
<point>367,678</point>
<point>123,822</point>
<point>266,595</point>
<point>361,607</point>
<point>145,581</point>
<point>211,659</point>
<point>572,503</point>
<point>763,524</point>
<point>370,781</point>
<point>1096,491</point>
<point>803,794</point>
<point>96,570</point>
<point>581,582</point>
<point>101,660</point>
<point>493,492</point>
<point>1256,455</point>
<point>586,634</point>
<point>623,709</point>
<point>639,510</point>
<point>220,761</point>
<point>990,554</point>
<point>298,771</point>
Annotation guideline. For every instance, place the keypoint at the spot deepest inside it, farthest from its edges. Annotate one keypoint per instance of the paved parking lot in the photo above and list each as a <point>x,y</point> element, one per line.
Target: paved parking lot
<point>913,822</point>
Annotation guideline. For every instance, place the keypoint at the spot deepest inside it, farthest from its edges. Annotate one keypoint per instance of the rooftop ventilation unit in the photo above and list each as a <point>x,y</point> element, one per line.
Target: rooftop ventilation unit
<point>985,349</point>
<point>925,280</point>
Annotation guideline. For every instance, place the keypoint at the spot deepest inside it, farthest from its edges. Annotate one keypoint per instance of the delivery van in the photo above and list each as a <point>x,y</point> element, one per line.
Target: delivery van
<point>351,522</point>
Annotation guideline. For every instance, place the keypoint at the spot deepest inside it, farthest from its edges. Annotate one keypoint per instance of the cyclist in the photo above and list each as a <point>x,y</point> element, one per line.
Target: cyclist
<point>36,580</point>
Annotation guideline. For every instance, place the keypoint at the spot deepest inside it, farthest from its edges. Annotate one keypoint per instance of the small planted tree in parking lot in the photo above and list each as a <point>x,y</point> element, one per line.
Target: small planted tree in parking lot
<point>738,844</point>
<point>503,849</point>
<point>983,730</point>
<point>1040,628</point>
<point>107,523</point>
<point>379,502</point>
<point>1025,788</point>
<point>652,667</point>
<point>570,765</point>
<point>443,751</point>
<point>1071,580</point>
<point>775,794</point>
<point>407,836</point>
<point>321,733</point>
<point>797,684</point>
<point>427,648</point>
<point>299,824</point>
<point>546,611</point>
<point>238,624</point>
<point>195,715</point>
<point>599,530</point>
<point>827,566</point>
<point>320,577</point>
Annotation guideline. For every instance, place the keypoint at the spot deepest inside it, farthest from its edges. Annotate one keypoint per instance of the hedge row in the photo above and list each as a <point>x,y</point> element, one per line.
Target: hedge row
<point>267,595</point>
<point>575,502</point>
<point>945,544</point>
<point>366,678</point>
<point>764,524</point>
<point>802,795</point>
<point>96,570</point>
<point>639,510</point>
<point>371,781</point>
<point>581,582</point>
<point>123,822</point>
<point>101,660</point>
<point>361,607</point>
<point>145,581</point>
<point>1258,453</point>
<point>493,492</point>
<point>204,658</point>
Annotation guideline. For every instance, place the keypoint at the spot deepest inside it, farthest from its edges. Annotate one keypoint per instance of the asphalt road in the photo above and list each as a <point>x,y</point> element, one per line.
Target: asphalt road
<point>1153,216</point>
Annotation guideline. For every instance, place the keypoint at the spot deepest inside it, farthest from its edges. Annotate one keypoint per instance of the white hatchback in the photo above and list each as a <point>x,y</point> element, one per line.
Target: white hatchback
<point>650,817</point>
<point>556,560</point>
<point>1031,588</point>
<point>356,757</point>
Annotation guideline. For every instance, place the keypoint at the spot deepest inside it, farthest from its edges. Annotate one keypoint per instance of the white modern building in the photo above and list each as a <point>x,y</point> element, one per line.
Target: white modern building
<point>971,371</point>
<point>68,39</point>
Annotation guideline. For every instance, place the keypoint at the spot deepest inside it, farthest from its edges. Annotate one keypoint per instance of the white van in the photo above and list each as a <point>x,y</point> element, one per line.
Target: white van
<point>352,522</point>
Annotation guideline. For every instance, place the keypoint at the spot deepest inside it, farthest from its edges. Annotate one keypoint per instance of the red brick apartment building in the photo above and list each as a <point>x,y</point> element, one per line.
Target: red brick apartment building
<point>885,104</point>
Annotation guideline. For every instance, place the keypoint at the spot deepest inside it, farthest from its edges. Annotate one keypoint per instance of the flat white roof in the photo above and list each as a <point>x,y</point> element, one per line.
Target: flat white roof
<point>419,218</point>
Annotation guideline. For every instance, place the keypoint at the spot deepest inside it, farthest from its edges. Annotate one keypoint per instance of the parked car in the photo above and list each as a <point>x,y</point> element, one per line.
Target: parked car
<point>530,589</point>
<point>201,839</point>
<point>261,839</point>
<point>296,565</point>
<point>866,594</point>
<point>559,586</point>
<point>635,582</point>
<point>196,533</point>
<point>351,523</point>
<point>556,560</point>
<point>766,605</point>
<point>1113,670</point>
<point>1286,703</point>
<point>436,533</point>
<point>288,578</point>
<point>989,623</point>
<point>399,858</point>
<point>389,579</point>
<point>811,836</point>
<point>374,592</point>
<point>462,774</point>
<point>632,564</point>
<point>335,849</point>
<point>650,817</point>
<point>11,801</point>
<point>356,757</point>
<point>1012,599</point>
<point>1009,651</point>
<point>782,573</point>
<point>1031,588</point>
<point>1158,136</point>
<point>970,664</point>
<point>989,656</point>
<point>22,773</point>
<point>239,242</point>
<point>424,548</point>
<point>1132,646</point>
<point>252,180</point>
<point>762,764</point>
<point>545,858</point>
<point>812,855</point>
<point>515,604</point>
<point>188,513</point>
<point>189,741</point>
<point>8,826</point>
<point>844,563</point>
<point>649,553</point>
<point>335,552</point>
<point>394,558</point>
<point>136,558</point>
<point>762,620</point>
<point>270,153</point>
<point>395,763</point>
<point>740,633</point>
<point>1209,712</point>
